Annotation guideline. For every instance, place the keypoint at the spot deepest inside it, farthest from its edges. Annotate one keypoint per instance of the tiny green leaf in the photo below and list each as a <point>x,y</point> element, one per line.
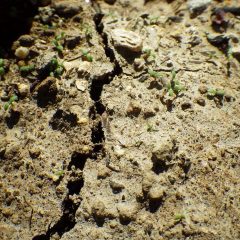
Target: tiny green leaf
<point>1,62</point>
<point>179,217</point>
<point>220,92</point>
<point>13,99</point>
<point>6,106</point>
<point>170,92</point>
<point>2,71</point>
<point>211,92</point>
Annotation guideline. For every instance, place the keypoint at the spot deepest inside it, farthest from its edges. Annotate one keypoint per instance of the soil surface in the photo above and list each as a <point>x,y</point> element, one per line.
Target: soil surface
<point>121,120</point>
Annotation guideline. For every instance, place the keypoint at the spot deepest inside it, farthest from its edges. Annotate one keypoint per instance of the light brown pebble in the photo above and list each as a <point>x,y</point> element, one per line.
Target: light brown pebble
<point>162,151</point>
<point>23,89</point>
<point>156,193</point>
<point>98,209</point>
<point>21,52</point>
<point>202,89</point>
<point>147,182</point>
<point>103,172</point>
<point>127,211</point>
<point>201,101</point>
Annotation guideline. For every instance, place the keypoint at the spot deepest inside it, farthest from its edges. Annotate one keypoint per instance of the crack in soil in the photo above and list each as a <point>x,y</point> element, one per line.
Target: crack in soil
<point>67,220</point>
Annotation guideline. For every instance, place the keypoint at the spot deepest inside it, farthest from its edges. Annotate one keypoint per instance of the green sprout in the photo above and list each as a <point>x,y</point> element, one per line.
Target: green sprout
<point>111,14</point>
<point>215,92</point>
<point>150,55</point>
<point>150,128</point>
<point>179,217</point>
<point>59,173</point>
<point>211,55</point>
<point>154,74</point>
<point>56,68</point>
<point>88,30</point>
<point>12,99</point>
<point>57,42</point>
<point>229,53</point>
<point>154,19</point>
<point>26,69</point>
<point>174,86</point>
<point>86,56</point>
<point>2,67</point>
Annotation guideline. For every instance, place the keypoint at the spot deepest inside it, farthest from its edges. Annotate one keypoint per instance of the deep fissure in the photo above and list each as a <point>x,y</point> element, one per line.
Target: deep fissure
<point>78,160</point>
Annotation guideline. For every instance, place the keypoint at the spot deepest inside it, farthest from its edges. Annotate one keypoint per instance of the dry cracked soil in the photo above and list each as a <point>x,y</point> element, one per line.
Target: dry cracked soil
<point>120,120</point>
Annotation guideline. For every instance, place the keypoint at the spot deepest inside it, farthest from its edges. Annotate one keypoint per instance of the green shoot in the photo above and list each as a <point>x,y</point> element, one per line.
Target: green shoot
<point>154,74</point>
<point>88,31</point>
<point>26,69</point>
<point>12,99</point>
<point>215,92</point>
<point>86,56</point>
<point>57,42</point>
<point>179,217</point>
<point>174,86</point>
<point>149,54</point>
<point>2,69</point>
<point>229,53</point>
<point>56,68</point>
<point>154,19</point>
<point>150,128</point>
<point>1,62</point>
<point>59,173</point>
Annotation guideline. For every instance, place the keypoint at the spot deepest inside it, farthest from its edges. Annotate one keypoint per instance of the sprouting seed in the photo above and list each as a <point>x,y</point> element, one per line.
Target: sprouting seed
<point>10,102</point>
<point>154,74</point>
<point>179,217</point>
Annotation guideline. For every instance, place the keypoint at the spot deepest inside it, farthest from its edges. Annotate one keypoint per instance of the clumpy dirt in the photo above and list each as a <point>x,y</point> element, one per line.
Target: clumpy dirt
<point>124,123</point>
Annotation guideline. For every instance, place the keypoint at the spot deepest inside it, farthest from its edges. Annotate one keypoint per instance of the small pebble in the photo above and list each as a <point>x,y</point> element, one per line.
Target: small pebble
<point>98,209</point>
<point>23,89</point>
<point>119,151</point>
<point>139,64</point>
<point>127,211</point>
<point>156,193</point>
<point>81,85</point>
<point>83,120</point>
<point>201,101</point>
<point>202,89</point>
<point>22,52</point>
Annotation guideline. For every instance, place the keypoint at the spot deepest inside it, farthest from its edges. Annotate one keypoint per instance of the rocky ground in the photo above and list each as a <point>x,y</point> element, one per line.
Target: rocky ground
<point>120,120</point>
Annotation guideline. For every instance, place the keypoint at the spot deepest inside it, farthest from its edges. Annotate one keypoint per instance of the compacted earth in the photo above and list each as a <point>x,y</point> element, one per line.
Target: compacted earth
<point>120,119</point>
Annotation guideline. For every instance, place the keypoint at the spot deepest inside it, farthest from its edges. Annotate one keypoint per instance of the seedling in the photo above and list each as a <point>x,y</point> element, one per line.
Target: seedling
<point>229,53</point>
<point>56,68</point>
<point>150,55</point>
<point>154,74</point>
<point>150,128</point>
<point>179,217</point>
<point>58,41</point>
<point>12,99</point>
<point>174,86</point>
<point>26,69</point>
<point>88,31</point>
<point>86,56</point>
<point>57,174</point>
<point>215,92</point>
<point>154,19</point>
<point>2,67</point>
<point>112,15</point>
